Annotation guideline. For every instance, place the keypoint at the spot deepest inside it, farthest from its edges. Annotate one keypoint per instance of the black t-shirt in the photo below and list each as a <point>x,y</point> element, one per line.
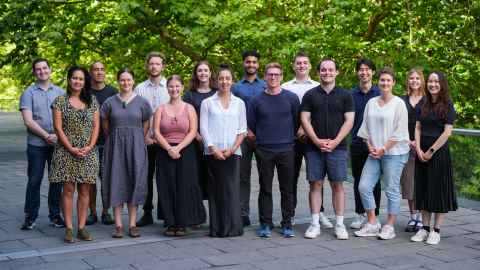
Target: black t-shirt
<point>432,125</point>
<point>328,111</point>
<point>195,98</point>
<point>412,115</point>
<point>101,96</point>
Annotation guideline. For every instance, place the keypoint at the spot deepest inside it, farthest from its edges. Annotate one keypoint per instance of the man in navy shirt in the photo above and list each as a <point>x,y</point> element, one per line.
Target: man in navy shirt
<point>362,93</point>
<point>327,115</point>
<point>273,119</point>
<point>248,87</point>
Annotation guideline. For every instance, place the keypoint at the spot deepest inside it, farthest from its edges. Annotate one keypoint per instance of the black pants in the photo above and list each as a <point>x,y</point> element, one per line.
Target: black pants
<point>299,154</point>
<point>152,157</point>
<point>284,162</point>
<point>358,161</point>
<point>248,150</point>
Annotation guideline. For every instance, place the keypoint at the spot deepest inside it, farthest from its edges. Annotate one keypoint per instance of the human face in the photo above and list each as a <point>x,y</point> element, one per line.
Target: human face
<point>203,73</point>
<point>77,81</point>
<point>328,72</point>
<point>155,66</point>
<point>98,72</point>
<point>302,66</point>
<point>386,83</point>
<point>433,84</point>
<point>414,81</point>
<point>175,89</point>
<point>274,77</point>
<point>250,65</point>
<point>365,74</point>
<point>225,81</point>
<point>125,81</point>
<point>42,71</point>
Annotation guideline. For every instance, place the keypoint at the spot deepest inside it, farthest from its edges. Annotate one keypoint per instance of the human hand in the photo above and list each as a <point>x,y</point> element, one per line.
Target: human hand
<point>149,140</point>
<point>199,138</point>
<point>174,152</point>
<point>217,154</point>
<point>250,136</point>
<point>330,145</point>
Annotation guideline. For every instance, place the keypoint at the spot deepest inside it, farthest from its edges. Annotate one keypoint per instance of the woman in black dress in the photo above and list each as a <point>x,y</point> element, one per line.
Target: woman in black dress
<point>202,86</point>
<point>434,187</point>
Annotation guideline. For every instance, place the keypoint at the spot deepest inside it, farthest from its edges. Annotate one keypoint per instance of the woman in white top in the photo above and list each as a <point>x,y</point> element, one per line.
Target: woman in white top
<point>223,126</point>
<point>385,130</point>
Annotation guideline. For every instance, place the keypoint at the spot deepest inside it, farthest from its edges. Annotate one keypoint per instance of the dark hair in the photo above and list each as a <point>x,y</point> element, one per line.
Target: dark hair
<point>364,61</point>
<point>85,94</point>
<point>175,77</point>
<point>195,82</point>
<point>388,71</point>
<point>150,55</point>
<point>226,67</point>
<point>419,71</point>
<point>325,60</point>
<point>125,70</point>
<point>301,54</point>
<point>248,53</point>
<point>96,61</point>
<point>441,106</point>
<point>38,60</point>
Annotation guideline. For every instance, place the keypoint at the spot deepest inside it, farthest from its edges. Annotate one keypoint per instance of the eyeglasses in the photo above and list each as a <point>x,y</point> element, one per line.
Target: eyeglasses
<point>274,74</point>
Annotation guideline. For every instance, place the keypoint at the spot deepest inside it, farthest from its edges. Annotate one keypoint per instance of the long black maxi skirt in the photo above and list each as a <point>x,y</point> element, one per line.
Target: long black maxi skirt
<point>179,195</point>
<point>224,197</point>
<point>434,186</point>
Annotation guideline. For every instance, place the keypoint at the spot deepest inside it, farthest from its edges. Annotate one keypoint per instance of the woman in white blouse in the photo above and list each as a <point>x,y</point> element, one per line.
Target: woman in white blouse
<point>385,130</point>
<point>223,126</point>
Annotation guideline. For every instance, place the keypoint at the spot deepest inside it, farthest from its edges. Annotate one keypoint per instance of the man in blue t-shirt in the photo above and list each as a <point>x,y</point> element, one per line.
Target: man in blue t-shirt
<point>248,87</point>
<point>273,119</point>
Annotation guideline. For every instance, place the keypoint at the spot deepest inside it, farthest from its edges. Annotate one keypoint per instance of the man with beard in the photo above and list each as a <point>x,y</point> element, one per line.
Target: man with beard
<point>248,87</point>
<point>101,91</point>
<point>154,90</point>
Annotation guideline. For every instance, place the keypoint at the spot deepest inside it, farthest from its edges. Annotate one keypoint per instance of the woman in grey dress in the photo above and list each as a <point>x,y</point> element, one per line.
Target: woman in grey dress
<point>125,120</point>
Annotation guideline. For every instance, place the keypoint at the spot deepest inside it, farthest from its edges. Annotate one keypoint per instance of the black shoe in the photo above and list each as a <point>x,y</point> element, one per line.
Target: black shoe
<point>91,219</point>
<point>28,225</point>
<point>246,221</point>
<point>57,222</point>
<point>107,219</point>
<point>145,220</point>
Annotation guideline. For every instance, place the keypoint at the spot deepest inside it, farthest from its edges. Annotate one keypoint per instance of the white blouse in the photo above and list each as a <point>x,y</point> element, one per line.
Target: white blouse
<point>219,127</point>
<point>389,122</point>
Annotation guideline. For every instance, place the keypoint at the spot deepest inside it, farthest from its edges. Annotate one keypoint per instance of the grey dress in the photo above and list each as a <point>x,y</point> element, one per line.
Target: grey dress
<point>125,152</point>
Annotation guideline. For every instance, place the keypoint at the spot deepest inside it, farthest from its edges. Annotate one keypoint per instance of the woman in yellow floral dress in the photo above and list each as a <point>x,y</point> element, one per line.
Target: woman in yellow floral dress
<point>75,161</point>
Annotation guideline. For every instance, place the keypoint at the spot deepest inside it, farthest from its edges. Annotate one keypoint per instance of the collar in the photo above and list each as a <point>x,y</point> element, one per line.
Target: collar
<point>162,82</point>
<point>37,87</point>
<point>307,81</point>
<point>244,80</point>
<point>216,96</point>
<point>373,90</point>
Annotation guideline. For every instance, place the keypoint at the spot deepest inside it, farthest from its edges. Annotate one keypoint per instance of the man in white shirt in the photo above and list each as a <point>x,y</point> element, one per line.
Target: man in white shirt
<point>300,85</point>
<point>154,89</point>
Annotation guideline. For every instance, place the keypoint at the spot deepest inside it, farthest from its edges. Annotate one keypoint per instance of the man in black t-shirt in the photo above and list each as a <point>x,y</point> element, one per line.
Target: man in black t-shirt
<point>327,114</point>
<point>101,91</point>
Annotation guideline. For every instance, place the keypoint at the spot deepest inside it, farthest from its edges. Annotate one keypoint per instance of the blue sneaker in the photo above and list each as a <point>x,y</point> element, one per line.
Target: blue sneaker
<point>287,232</point>
<point>264,231</point>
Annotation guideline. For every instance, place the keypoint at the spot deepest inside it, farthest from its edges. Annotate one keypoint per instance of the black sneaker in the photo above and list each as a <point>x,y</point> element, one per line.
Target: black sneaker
<point>107,219</point>
<point>57,222</point>
<point>28,225</point>
<point>246,221</point>
<point>145,220</point>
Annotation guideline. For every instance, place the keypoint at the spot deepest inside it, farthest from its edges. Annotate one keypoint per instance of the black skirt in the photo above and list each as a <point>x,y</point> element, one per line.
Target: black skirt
<point>203,174</point>
<point>434,186</point>
<point>224,197</point>
<point>179,195</point>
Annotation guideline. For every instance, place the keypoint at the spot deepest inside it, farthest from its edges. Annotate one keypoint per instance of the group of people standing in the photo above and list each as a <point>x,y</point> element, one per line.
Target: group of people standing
<point>200,145</point>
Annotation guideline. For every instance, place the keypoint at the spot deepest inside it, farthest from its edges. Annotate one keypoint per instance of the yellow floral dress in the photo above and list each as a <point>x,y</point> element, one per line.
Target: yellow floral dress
<point>78,127</point>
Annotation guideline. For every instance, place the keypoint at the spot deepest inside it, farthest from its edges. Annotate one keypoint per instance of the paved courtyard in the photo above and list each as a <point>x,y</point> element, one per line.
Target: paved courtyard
<point>43,247</point>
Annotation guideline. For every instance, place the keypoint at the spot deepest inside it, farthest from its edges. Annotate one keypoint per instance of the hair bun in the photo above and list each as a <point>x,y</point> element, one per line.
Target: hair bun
<point>224,65</point>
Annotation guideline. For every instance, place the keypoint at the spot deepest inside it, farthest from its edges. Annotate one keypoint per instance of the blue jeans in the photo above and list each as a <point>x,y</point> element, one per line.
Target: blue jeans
<point>37,156</point>
<point>391,167</point>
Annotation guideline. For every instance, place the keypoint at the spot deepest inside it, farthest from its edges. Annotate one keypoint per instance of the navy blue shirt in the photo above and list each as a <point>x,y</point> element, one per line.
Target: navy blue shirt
<point>247,90</point>
<point>274,120</point>
<point>360,99</point>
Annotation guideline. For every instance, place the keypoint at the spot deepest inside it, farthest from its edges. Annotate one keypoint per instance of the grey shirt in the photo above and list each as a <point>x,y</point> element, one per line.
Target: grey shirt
<point>39,102</point>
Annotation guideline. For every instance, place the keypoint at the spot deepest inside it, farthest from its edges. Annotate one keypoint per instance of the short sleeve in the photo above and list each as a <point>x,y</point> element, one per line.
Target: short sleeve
<point>26,101</point>
<point>58,103</point>
<point>146,111</point>
<point>349,105</point>
<point>106,109</point>
<point>451,114</point>
<point>306,105</point>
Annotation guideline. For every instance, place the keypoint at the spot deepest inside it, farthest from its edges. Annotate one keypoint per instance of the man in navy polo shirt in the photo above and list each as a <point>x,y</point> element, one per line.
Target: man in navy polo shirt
<point>35,105</point>
<point>248,87</point>
<point>362,93</point>
<point>327,115</point>
<point>273,119</point>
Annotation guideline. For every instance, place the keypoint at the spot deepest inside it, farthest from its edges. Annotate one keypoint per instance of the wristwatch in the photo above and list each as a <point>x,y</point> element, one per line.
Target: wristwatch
<point>431,150</point>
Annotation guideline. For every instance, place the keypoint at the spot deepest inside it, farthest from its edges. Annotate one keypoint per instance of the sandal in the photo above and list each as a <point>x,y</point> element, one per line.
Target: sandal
<point>134,232</point>
<point>170,231</point>
<point>118,233</point>
<point>181,231</point>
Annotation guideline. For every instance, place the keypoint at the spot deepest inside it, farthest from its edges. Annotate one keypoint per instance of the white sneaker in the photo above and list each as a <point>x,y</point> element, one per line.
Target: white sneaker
<point>325,222</point>
<point>358,221</point>
<point>387,232</point>
<point>433,238</point>
<point>312,232</point>
<point>420,236</point>
<point>341,232</point>
<point>368,230</point>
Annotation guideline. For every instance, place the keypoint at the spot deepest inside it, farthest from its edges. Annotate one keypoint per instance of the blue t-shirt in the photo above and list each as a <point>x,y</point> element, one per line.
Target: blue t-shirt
<point>274,120</point>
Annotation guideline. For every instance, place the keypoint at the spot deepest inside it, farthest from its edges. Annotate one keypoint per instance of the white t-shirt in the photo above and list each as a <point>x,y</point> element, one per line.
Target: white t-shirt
<point>300,88</point>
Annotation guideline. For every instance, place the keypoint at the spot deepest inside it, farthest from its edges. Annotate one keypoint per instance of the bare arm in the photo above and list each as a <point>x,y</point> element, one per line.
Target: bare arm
<point>418,134</point>
<point>344,130</point>
<point>156,130</point>
<point>192,132</point>
<point>146,127</point>
<point>447,132</point>
<point>305,118</point>
<point>35,127</point>
<point>57,125</point>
